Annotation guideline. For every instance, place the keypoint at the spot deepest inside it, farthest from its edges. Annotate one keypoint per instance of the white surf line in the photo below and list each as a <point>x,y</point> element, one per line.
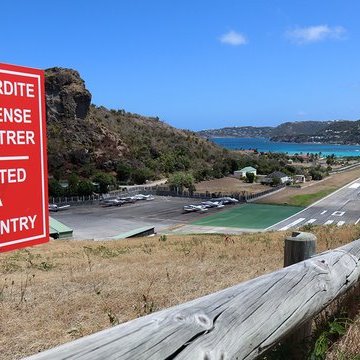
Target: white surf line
<point>297,221</point>
<point>357,221</point>
<point>329,222</point>
<point>315,203</point>
<point>9,158</point>
<point>310,221</point>
<point>340,223</point>
<point>323,212</point>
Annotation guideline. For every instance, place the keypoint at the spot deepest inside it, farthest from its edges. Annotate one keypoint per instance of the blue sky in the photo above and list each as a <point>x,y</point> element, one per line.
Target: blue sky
<point>199,64</point>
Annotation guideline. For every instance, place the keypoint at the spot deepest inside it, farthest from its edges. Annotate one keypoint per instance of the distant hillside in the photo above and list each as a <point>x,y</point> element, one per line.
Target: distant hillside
<point>85,139</point>
<point>329,132</point>
<point>238,131</point>
<point>332,132</point>
<point>297,128</point>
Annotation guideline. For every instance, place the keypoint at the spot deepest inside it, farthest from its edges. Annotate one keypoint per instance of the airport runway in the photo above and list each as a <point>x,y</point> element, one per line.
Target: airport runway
<point>339,208</point>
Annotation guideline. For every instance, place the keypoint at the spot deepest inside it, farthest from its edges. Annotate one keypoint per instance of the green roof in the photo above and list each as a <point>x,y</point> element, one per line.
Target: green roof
<point>248,168</point>
<point>132,233</point>
<point>56,227</point>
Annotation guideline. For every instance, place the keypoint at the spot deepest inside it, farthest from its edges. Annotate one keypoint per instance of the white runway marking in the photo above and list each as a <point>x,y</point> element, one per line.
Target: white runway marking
<point>314,204</point>
<point>329,222</point>
<point>340,223</point>
<point>310,221</point>
<point>323,212</point>
<point>338,213</point>
<point>297,221</point>
<point>357,221</point>
<point>354,186</point>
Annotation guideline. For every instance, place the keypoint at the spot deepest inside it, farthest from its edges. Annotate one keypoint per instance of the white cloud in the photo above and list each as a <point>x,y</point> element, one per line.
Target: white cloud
<point>316,33</point>
<point>301,113</point>
<point>233,38</point>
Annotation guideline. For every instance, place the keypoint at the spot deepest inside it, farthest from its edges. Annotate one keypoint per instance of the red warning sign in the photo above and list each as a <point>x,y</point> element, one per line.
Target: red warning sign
<point>24,218</point>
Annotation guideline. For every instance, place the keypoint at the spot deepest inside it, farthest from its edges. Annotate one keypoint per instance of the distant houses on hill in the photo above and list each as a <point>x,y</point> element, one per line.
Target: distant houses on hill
<point>276,177</point>
<point>242,173</point>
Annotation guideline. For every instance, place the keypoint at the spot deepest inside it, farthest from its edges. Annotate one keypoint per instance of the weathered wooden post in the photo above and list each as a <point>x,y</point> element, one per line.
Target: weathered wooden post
<point>298,247</point>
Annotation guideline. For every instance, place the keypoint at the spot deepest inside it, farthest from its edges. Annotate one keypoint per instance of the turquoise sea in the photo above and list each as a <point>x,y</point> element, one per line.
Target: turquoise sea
<point>265,145</point>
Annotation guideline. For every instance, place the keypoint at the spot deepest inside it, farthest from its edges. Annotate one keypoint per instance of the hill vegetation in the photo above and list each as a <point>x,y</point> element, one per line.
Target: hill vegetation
<point>329,132</point>
<point>107,146</point>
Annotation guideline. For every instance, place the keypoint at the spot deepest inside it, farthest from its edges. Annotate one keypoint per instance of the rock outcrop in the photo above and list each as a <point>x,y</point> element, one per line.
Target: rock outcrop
<point>66,95</point>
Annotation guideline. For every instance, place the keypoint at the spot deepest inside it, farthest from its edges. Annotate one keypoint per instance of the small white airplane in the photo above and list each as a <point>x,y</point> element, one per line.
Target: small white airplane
<point>55,208</point>
<point>211,204</point>
<point>226,200</point>
<point>143,197</point>
<point>112,202</point>
<point>192,208</point>
<point>127,199</point>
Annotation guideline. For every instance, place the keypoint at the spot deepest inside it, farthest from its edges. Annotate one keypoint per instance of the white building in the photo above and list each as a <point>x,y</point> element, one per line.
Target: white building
<point>242,173</point>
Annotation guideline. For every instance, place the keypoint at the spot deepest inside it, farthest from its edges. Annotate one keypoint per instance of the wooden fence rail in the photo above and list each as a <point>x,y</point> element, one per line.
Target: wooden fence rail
<point>240,322</point>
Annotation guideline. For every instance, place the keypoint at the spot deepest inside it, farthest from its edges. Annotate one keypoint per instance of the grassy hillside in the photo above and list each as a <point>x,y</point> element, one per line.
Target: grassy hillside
<point>60,291</point>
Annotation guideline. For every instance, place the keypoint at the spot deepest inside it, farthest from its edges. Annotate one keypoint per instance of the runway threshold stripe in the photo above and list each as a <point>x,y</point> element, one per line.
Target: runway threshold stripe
<point>297,221</point>
<point>323,212</point>
<point>310,221</point>
<point>340,223</point>
<point>329,222</point>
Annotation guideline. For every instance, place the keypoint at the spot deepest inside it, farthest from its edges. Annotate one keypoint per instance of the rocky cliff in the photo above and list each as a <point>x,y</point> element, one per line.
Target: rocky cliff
<point>84,138</point>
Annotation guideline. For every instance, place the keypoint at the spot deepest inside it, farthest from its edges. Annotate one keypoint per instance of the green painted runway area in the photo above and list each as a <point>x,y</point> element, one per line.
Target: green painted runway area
<point>249,216</point>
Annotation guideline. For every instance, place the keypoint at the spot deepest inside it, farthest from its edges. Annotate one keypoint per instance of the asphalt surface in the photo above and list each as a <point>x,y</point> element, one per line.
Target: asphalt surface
<point>95,222</point>
<point>339,208</point>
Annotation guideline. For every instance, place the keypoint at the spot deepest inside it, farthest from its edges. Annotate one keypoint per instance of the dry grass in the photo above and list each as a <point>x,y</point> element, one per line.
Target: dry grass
<point>348,348</point>
<point>54,293</point>
<point>332,182</point>
<point>229,185</point>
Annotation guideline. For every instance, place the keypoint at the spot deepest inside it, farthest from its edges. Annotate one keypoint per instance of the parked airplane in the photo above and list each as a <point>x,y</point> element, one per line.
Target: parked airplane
<point>55,208</point>
<point>143,197</point>
<point>226,200</point>
<point>127,199</point>
<point>192,208</point>
<point>211,204</point>
<point>112,202</point>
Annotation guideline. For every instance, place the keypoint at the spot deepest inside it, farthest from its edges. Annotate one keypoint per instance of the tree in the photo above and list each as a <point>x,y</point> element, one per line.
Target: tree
<point>140,175</point>
<point>73,181</point>
<point>104,180</point>
<point>55,189</point>
<point>276,181</point>
<point>85,187</point>
<point>250,177</point>
<point>330,159</point>
<point>316,174</point>
<point>123,171</point>
<point>180,180</point>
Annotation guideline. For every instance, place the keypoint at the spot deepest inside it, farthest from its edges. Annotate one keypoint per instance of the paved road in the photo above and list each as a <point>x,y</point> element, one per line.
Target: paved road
<point>339,208</point>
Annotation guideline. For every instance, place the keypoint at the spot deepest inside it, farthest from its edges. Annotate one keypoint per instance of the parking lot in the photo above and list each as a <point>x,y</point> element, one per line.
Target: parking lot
<point>96,222</point>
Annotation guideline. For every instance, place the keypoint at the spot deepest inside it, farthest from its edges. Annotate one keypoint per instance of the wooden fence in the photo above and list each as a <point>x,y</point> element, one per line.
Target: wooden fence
<point>240,322</point>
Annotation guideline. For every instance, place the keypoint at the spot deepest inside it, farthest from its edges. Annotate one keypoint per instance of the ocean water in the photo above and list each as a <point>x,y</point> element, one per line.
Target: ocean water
<point>265,145</point>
